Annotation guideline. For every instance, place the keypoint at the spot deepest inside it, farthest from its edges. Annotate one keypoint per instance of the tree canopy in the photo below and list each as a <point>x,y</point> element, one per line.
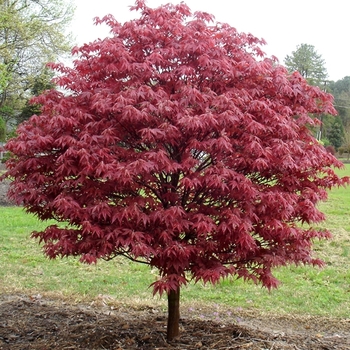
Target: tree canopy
<point>308,63</point>
<point>177,144</point>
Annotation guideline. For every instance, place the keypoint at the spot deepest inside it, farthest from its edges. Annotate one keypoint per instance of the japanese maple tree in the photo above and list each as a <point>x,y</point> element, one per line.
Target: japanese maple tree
<point>175,142</point>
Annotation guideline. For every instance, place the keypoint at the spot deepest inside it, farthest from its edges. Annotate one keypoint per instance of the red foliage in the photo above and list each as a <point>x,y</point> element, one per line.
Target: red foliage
<point>177,143</point>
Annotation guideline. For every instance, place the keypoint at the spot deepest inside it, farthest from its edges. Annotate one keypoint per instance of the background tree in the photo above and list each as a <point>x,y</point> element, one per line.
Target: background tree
<point>3,83</point>
<point>3,77</point>
<point>345,147</point>
<point>41,83</point>
<point>2,130</point>
<point>311,66</point>
<point>341,92</point>
<point>335,134</point>
<point>32,33</point>
<point>342,85</point>
<point>308,63</point>
<point>177,145</point>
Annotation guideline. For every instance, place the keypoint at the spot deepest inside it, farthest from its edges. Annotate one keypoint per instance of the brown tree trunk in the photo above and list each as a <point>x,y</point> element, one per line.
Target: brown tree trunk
<point>173,314</point>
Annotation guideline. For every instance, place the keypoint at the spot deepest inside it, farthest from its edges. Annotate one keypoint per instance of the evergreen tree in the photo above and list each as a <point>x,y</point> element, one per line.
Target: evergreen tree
<point>41,83</point>
<point>308,63</point>
<point>335,134</point>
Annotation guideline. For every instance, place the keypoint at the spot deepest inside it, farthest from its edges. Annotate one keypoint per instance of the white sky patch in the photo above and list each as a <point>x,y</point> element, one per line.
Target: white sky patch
<point>283,24</point>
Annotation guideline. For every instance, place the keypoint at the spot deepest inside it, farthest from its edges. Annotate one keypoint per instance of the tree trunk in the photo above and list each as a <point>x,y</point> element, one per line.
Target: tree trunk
<point>173,314</point>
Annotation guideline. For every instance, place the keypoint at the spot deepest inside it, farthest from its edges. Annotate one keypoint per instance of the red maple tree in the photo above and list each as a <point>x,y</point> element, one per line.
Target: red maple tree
<point>178,144</point>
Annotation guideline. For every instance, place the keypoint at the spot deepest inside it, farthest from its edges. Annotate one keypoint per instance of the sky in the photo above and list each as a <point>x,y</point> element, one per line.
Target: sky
<point>282,24</point>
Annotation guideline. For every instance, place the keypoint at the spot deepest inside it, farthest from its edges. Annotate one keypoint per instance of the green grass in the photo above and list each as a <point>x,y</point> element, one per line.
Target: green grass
<point>24,268</point>
<point>304,289</point>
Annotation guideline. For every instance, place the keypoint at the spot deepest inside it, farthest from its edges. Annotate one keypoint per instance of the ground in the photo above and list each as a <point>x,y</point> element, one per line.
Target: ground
<point>35,322</point>
<point>42,323</point>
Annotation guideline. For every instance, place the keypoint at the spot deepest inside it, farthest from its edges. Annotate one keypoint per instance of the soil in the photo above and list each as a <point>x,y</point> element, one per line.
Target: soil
<point>34,322</point>
<point>42,323</point>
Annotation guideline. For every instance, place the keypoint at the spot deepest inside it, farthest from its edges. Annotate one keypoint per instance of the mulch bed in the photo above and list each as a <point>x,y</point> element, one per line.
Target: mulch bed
<point>41,324</point>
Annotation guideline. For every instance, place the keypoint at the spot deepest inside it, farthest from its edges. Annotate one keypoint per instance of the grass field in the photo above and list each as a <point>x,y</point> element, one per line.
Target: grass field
<point>304,290</point>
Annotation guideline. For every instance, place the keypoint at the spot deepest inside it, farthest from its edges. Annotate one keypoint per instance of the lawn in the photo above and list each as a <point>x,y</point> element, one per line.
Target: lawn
<point>304,289</point>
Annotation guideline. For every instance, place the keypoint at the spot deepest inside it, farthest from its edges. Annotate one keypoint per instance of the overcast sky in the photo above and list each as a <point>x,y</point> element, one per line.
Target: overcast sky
<point>283,24</point>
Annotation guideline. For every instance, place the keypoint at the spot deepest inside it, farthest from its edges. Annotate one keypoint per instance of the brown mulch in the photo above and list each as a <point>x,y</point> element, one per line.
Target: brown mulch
<point>41,324</point>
